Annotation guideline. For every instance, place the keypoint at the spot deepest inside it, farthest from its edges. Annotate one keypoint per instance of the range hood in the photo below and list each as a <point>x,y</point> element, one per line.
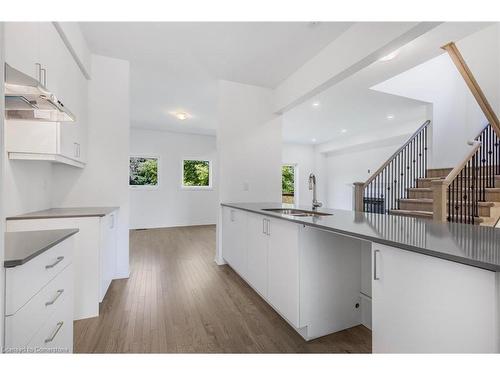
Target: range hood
<point>27,99</point>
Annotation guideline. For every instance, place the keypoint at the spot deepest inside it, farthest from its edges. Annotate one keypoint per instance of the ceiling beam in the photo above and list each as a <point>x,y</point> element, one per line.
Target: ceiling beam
<point>360,46</point>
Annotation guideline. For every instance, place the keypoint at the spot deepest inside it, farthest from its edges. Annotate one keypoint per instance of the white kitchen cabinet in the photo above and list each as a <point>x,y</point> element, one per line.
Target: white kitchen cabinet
<point>55,142</point>
<point>107,254</point>
<point>39,302</point>
<point>257,252</point>
<point>94,259</point>
<point>422,304</point>
<point>22,46</point>
<point>283,268</point>
<point>234,250</point>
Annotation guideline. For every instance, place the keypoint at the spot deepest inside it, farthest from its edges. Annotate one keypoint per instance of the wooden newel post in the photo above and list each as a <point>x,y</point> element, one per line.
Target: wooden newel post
<point>439,195</point>
<point>359,188</point>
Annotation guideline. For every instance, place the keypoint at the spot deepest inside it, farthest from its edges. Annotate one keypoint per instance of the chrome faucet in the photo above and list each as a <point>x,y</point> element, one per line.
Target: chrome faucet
<point>312,186</point>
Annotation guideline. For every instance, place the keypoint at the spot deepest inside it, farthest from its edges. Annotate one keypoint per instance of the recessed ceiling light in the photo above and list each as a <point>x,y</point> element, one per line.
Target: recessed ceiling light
<point>390,56</point>
<point>313,140</point>
<point>315,104</point>
<point>182,115</point>
<point>390,117</point>
<point>343,131</point>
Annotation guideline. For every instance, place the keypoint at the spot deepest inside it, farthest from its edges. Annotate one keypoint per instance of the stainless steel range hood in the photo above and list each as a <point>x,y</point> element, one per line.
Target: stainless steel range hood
<point>27,99</point>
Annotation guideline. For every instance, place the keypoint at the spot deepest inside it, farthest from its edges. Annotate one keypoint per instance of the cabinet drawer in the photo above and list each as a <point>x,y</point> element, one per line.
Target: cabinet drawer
<point>24,324</point>
<point>56,335</point>
<point>23,282</point>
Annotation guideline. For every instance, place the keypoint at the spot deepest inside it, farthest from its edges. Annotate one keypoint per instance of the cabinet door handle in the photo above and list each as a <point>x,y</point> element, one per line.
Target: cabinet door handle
<point>59,260</point>
<point>53,336</point>
<point>264,226</point>
<point>268,227</point>
<point>39,71</point>
<point>112,221</point>
<point>376,276</point>
<point>232,215</point>
<point>44,71</point>
<point>59,293</point>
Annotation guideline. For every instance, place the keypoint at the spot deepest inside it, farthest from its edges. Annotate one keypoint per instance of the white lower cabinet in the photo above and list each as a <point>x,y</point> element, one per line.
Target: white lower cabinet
<point>95,256</point>
<point>283,269</point>
<point>107,253</point>
<point>264,251</point>
<point>234,248</point>
<point>422,304</point>
<point>39,302</point>
<point>257,253</point>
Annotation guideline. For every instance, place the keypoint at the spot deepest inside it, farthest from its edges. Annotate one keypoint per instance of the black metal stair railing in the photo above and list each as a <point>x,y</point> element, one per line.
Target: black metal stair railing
<point>470,186</point>
<point>400,172</point>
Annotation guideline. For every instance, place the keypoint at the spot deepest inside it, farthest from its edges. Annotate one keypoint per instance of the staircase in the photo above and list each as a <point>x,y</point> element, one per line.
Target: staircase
<point>420,202</point>
<point>468,193</point>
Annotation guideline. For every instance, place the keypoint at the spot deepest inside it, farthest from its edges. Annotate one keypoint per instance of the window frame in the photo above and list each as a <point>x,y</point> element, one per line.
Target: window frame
<point>158,174</point>
<point>210,174</point>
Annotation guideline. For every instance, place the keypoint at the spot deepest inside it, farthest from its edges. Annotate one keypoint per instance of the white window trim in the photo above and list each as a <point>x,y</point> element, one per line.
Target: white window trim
<point>210,175</point>
<point>146,187</point>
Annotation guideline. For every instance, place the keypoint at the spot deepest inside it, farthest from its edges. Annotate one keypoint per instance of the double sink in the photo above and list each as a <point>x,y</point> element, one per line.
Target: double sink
<point>296,212</point>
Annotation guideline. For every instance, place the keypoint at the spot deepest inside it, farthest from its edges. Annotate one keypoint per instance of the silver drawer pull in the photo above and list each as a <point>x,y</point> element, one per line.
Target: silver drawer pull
<point>59,259</point>
<point>59,292</point>
<point>53,336</point>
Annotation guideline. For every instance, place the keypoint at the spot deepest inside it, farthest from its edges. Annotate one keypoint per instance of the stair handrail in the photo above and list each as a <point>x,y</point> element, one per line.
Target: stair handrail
<point>473,85</point>
<point>360,186</point>
<point>458,168</point>
<point>440,187</point>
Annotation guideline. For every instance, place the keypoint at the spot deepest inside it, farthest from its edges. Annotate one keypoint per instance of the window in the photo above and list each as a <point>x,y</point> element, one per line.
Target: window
<point>288,179</point>
<point>196,174</point>
<point>143,172</point>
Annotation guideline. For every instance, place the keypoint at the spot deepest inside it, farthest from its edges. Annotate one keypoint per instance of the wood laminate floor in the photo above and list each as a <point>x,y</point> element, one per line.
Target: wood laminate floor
<point>177,300</point>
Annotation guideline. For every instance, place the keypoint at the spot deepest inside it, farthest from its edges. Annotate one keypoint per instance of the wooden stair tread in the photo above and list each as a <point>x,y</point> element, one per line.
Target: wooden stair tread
<point>426,214</point>
<point>430,200</point>
<point>483,220</point>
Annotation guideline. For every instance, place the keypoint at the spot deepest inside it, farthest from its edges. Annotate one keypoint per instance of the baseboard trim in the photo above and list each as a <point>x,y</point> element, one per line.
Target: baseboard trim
<point>220,261</point>
<point>175,226</point>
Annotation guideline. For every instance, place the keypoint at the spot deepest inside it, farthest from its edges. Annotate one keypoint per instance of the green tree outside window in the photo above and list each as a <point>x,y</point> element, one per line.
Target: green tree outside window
<point>143,171</point>
<point>196,173</point>
<point>288,183</point>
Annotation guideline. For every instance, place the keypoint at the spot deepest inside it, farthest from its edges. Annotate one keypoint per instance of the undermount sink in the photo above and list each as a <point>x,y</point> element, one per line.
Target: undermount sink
<point>295,212</point>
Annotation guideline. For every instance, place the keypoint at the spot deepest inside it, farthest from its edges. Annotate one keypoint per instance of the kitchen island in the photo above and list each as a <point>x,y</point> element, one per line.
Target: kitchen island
<point>420,285</point>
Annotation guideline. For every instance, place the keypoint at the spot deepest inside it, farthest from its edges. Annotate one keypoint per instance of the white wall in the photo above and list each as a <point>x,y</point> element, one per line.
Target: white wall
<point>248,146</point>
<point>170,205</point>
<point>344,167</point>
<point>457,117</point>
<point>104,180</point>
<point>303,156</point>
<point>27,186</point>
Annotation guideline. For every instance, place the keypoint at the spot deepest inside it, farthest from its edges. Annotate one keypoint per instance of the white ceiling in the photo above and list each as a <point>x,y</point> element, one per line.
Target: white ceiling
<point>346,112</point>
<point>175,65</point>
<point>353,106</point>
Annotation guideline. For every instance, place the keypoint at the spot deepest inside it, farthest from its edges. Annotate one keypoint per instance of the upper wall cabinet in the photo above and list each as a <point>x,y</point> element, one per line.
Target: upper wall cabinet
<point>22,47</point>
<point>38,50</point>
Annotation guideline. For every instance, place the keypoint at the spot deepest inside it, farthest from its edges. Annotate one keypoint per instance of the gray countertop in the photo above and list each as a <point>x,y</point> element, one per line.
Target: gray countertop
<point>20,247</point>
<point>54,213</point>
<point>472,245</point>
